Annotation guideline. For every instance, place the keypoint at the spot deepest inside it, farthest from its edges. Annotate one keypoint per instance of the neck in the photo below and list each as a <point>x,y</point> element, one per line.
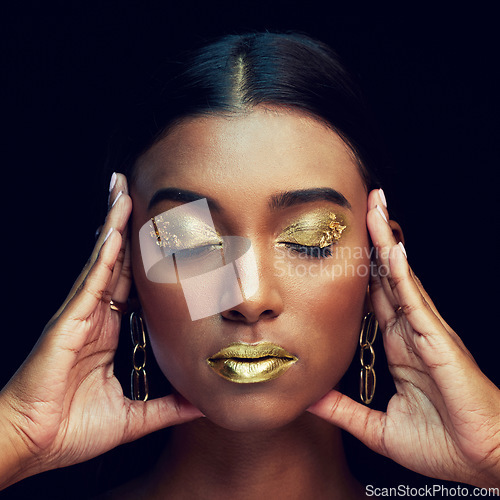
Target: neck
<point>304,459</point>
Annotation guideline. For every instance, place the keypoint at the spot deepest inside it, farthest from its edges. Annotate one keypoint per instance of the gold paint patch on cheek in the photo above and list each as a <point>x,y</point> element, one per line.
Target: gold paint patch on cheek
<point>317,229</point>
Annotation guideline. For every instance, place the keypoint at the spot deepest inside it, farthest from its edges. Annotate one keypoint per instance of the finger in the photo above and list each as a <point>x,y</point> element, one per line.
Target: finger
<point>377,197</point>
<point>92,292</point>
<point>442,351</point>
<point>117,219</point>
<point>95,287</point>
<point>362,422</point>
<point>412,302</point>
<point>425,323</point>
<point>121,289</point>
<point>377,203</point>
<point>434,309</point>
<point>382,282</point>
<point>450,330</point>
<point>385,293</point>
<point>121,280</point>
<point>429,300</point>
<point>118,183</point>
<point>118,215</point>
<point>156,414</point>
<point>119,209</point>
<point>383,306</point>
<point>383,240</point>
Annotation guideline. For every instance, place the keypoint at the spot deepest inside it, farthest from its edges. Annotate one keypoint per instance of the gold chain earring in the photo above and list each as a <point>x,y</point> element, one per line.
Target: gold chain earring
<point>367,380</point>
<point>138,379</point>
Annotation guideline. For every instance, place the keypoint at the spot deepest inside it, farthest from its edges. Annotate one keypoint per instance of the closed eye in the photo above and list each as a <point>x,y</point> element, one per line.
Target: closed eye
<point>198,252</point>
<point>311,251</point>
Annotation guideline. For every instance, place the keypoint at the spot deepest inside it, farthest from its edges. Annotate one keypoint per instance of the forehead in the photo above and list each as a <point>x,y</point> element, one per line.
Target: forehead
<point>252,155</point>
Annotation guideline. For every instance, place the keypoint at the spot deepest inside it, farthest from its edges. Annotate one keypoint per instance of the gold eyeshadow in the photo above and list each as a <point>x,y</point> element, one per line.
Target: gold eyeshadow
<point>320,228</point>
<point>315,229</point>
<point>183,232</point>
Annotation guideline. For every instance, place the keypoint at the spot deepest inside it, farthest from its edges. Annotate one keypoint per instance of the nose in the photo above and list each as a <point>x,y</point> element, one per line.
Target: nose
<point>266,303</point>
<point>260,306</point>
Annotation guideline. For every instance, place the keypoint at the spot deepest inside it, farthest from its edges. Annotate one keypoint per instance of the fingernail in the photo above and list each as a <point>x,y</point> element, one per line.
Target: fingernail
<point>381,212</point>
<point>111,229</point>
<point>116,199</point>
<point>382,197</point>
<point>402,249</point>
<point>112,182</point>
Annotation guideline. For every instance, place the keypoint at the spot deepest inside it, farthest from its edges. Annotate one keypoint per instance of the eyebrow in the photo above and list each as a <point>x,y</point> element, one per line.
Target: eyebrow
<point>287,199</point>
<point>278,201</point>
<point>184,195</point>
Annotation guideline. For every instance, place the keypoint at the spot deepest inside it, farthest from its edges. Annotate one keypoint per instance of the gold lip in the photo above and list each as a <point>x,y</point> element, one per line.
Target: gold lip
<point>246,363</point>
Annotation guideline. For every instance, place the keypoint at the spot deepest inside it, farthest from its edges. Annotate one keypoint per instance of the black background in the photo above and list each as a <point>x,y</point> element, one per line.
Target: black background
<point>70,68</point>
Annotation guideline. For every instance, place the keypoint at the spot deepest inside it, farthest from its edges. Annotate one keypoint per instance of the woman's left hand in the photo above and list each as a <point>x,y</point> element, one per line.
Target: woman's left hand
<point>444,420</point>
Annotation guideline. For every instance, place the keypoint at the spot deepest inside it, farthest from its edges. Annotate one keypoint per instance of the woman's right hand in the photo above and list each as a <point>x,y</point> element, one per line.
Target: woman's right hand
<point>64,405</point>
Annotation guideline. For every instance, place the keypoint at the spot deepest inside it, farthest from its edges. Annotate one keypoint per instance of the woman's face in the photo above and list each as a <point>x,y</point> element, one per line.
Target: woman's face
<point>286,182</point>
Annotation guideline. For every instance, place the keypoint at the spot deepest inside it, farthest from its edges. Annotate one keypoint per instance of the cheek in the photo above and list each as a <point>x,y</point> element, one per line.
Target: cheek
<point>166,315</point>
<point>163,309</point>
<point>180,346</point>
<point>323,306</point>
<point>329,297</point>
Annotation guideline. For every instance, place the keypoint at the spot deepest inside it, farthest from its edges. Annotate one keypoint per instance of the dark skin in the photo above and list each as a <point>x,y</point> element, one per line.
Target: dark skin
<point>280,431</point>
<point>314,317</point>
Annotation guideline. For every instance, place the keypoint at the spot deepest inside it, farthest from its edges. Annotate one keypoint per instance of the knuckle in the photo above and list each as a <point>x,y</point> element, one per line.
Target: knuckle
<point>394,281</point>
<point>408,309</point>
<point>375,282</point>
<point>97,294</point>
<point>417,305</point>
<point>389,323</point>
<point>121,256</point>
<point>102,262</point>
<point>126,271</point>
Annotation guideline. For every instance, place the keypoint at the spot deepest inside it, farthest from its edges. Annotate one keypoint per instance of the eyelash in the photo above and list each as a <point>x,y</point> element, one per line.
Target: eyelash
<point>314,252</point>
<point>311,251</point>
<point>197,252</point>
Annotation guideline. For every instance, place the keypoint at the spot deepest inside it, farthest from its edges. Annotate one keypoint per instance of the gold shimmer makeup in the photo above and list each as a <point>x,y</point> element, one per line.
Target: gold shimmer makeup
<point>316,229</point>
<point>182,246</point>
<point>243,363</point>
<point>182,233</point>
<point>186,234</point>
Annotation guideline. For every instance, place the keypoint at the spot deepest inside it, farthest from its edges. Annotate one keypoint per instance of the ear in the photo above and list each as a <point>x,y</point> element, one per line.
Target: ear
<point>397,231</point>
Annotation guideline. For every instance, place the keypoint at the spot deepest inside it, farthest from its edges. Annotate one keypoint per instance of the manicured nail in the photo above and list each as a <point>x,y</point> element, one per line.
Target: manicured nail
<point>383,199</point>
<point>112,182</point>
<point>111,229</point>
<point>381,212</point>
<point>402,249</point>
<point>116,199</point>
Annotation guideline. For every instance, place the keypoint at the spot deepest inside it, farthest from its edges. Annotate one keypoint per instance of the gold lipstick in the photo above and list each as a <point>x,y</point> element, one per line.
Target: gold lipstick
<point>249,363</point>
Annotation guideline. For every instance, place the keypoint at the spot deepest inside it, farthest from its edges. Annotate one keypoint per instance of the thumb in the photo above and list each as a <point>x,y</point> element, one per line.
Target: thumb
<point>362,422</point>
<point>156,414</point>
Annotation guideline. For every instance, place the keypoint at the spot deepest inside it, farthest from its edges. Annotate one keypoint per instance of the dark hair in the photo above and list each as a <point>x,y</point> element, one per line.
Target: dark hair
<point>237,72</point>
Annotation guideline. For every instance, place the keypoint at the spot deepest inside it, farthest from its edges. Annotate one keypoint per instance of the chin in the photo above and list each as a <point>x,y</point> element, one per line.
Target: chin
<point>253,414</point>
